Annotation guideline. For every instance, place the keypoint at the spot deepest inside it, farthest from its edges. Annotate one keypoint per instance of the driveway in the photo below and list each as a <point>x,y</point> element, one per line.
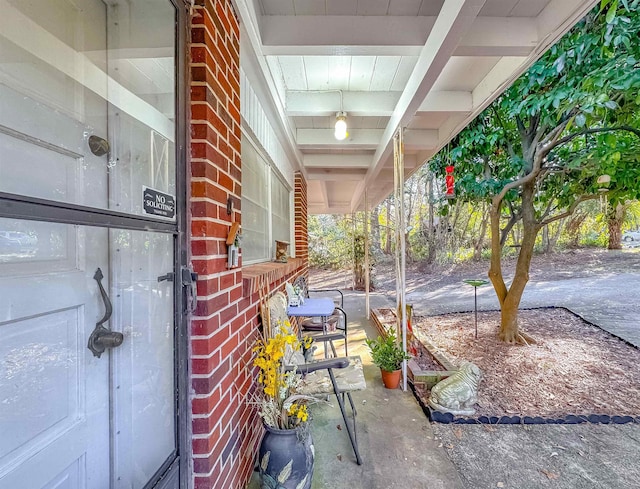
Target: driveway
<point>609,301</point>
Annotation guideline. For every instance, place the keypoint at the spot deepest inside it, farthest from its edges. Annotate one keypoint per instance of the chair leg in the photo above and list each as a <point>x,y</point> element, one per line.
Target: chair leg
<point>346,321</point>
<point>350,430</point>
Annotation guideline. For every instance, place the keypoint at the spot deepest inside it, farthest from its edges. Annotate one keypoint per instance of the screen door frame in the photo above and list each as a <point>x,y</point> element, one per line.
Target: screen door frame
<point>175,472</point>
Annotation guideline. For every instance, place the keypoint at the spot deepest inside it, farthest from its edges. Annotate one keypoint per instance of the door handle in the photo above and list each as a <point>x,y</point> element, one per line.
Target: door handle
<point>102,338</point>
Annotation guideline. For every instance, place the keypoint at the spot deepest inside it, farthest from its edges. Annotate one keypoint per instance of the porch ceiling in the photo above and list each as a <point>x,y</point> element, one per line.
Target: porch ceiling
<point>426,65</point>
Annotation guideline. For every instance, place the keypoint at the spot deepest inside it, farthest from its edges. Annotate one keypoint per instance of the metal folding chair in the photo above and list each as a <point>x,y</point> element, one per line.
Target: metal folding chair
<point>339,376</point>
<point>338,321</point>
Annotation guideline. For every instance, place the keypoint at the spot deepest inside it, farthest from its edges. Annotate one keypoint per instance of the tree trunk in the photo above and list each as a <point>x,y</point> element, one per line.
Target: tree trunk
<point>375,230</point>
<point>553,241</point>
<point>387,244</point>
<point>545,239</point>
<point>509,329</point>
<point>477,252</point>
<point>573,228</point>
<point>615,217</point>
<point>431,233</point>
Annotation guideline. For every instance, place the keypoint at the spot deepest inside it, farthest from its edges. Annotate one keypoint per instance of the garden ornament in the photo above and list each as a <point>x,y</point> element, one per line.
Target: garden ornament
<point>457,394</point>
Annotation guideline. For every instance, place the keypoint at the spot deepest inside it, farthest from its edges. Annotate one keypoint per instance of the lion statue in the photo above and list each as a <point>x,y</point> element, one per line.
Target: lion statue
<point>457,394</point>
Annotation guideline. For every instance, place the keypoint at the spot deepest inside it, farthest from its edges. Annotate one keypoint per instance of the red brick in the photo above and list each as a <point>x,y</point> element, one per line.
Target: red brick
<point>206,346</point>
<point>205,327</point>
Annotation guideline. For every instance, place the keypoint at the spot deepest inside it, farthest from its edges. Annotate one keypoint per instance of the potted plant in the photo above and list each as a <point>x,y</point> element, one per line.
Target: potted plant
<point>387,354</point>
<point>286,454</point>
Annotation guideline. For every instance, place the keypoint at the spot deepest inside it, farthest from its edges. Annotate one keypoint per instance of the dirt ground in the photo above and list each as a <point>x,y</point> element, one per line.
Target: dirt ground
<point>574,368</point>
<point>586,262</point>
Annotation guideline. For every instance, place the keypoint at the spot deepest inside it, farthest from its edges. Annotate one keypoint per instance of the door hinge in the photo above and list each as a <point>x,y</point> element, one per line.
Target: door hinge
<point>189,283</point>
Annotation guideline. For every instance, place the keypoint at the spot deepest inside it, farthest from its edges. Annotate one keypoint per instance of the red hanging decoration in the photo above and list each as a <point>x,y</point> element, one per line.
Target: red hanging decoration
<point>449,182</point>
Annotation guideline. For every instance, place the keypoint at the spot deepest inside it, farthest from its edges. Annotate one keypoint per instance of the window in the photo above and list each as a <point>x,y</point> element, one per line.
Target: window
<point>266,206</point>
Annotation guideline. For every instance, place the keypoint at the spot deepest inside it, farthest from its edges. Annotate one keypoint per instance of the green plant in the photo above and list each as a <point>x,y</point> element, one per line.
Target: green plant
<point>386,352</point>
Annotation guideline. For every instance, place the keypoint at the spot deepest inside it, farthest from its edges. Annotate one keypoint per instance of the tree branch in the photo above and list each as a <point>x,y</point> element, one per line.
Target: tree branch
<point>504,233</point>
<point>569,210</point>
<point>594,130</point>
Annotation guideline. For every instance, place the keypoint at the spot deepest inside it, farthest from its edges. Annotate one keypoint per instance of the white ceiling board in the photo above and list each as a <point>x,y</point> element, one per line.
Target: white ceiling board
<point>384,72</point>
<point>320,138</point>
<point>339,151</point>
<point>341,7</point>
<point>310,122</point>
<point>314,188</point>
<point>276,74</point>
<point>337,161</point>
<point>374,122</point>
<point>447,102</point>
<point>499,36</point>
<point>277,7</point>
<point>405,67</point>
<point>373,7</point>
<point>431,7</point>
<point>309,7</point>
<point>463,73</point>
<point>339,71</point>
<point>497,8</point>
<point>340,193</point>
<point>431,120</point>
<point>404,7</point>
<point>340,30</point>
<point>453,22</point>
<point>529,8</point>
<point>337,174</point>
<point>317,72</point>
<point>415,139</point>
<point>361,71</point>
<point>366,104</point>
<point>293,72</point>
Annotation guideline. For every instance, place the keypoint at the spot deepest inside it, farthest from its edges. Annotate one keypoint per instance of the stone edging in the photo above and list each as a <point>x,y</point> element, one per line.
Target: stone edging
<point>448,418</point>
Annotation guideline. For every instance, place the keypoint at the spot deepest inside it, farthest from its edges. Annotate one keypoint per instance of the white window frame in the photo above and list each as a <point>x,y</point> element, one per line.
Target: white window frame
<point>272,172</point>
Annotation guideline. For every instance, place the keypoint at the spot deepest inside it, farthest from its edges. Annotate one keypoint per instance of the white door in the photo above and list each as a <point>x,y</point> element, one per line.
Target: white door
<point>54,394</point>
<point>67,418</point>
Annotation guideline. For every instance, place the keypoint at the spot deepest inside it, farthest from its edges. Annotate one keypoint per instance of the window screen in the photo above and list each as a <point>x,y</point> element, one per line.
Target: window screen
<point>266,207</point>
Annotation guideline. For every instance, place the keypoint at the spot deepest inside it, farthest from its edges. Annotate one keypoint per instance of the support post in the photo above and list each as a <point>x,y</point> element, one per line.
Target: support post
<point>398,178</point>
<point>367,305</point>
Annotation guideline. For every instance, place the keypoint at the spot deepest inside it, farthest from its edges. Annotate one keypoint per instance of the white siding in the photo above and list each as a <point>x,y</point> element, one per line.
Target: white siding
<point>255,119</point>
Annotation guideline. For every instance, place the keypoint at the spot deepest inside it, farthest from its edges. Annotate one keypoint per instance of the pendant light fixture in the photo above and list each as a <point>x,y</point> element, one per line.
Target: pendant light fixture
<point>340,132</point>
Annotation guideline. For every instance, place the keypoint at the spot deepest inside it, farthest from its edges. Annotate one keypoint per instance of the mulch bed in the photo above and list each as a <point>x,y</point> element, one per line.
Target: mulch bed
<point>575,369</point>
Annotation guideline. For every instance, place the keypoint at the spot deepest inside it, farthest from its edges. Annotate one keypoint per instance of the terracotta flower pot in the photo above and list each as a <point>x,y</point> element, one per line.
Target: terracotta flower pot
<point>391,380</point>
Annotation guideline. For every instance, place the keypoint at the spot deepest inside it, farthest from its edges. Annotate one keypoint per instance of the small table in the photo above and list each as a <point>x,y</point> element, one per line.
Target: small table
<point>321,307</point>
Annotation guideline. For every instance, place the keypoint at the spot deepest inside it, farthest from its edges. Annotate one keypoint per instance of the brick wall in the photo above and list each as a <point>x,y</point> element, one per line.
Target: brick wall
<point>222,325</point>
<point>300,213</point>
<point>226,428</point>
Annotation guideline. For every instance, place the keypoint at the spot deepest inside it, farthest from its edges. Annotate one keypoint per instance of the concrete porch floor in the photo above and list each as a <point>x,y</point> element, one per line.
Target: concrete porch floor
<point>396,440</point>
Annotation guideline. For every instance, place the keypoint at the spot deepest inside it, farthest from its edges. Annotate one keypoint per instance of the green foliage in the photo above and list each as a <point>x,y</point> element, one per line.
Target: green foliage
<point>583,87</point>
<point>330,241</point>
<point>386,353</point>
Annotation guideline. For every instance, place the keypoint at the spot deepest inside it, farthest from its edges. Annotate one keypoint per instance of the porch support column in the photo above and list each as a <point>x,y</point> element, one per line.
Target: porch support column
<point>367,305</point>
<point>398,180</point>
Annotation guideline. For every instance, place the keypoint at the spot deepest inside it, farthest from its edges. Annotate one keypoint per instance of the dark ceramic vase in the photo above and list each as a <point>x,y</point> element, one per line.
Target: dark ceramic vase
<point>286,459</point>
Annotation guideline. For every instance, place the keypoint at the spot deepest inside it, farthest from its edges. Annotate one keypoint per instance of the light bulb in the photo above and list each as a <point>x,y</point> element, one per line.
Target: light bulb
<point>341,126</point>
